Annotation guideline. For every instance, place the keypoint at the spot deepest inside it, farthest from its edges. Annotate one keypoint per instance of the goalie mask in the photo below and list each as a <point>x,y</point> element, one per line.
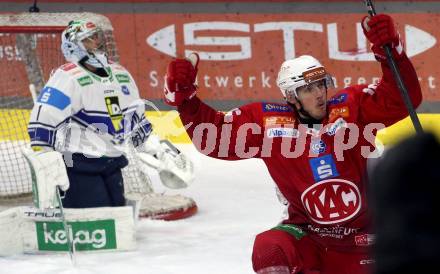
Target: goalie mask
<point>298,72</point>
<point>83,41</point>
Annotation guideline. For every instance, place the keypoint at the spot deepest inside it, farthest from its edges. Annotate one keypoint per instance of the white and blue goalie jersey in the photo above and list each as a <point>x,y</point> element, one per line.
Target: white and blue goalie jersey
<point>80,112</point>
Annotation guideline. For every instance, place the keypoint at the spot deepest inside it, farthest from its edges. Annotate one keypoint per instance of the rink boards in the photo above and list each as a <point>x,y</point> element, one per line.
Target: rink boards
<point>168,125</point>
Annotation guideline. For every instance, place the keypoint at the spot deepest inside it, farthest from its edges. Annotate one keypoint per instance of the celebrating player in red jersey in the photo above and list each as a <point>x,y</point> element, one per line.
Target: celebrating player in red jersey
<point>315,149</point>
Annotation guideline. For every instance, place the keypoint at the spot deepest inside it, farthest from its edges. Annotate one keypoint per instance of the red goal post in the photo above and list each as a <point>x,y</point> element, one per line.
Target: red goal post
<point>29,50</point>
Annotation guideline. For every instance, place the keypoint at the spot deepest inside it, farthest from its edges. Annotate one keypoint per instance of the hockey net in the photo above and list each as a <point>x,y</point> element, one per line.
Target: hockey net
<point>29,51</point>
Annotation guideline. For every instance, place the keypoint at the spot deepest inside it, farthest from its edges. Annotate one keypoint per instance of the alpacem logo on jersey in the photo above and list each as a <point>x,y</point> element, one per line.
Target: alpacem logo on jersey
<point>332,201</point>
<point>86,235</point>
<point>282,132</point>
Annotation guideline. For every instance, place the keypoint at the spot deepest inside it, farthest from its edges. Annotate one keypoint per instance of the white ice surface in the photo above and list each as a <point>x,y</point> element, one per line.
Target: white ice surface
<point>236,201</point>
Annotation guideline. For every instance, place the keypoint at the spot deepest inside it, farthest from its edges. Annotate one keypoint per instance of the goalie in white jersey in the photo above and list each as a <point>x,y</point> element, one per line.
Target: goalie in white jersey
<point>87,110</point>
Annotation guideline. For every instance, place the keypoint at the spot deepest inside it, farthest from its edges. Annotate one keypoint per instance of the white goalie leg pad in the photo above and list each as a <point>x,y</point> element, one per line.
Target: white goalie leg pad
<point>32,230</point>
<point>11,242</point>
<point>48,171</point>
<point>175,169</point>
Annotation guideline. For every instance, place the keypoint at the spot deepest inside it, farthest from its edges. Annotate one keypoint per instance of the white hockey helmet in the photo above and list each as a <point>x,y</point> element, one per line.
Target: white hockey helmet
<point>301,71</point>
<point>74,49</point>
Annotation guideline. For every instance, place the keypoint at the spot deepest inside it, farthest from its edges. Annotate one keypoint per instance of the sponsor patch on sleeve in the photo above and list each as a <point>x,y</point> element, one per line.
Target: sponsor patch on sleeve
<point>68,66</point>
<point>334,127</point>
<point>336,113</point>
<point>277,120</point>
<point>54,97</point>
<point>338,99</point>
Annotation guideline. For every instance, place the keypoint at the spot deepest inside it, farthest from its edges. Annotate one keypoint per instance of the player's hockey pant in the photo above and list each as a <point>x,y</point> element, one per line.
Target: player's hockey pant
<point>280,252</point>
<point>95,182</point>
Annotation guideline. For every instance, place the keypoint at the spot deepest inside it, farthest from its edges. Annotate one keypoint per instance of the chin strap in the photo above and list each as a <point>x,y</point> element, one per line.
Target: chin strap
<point>100,71</point>
<point>97,60</point>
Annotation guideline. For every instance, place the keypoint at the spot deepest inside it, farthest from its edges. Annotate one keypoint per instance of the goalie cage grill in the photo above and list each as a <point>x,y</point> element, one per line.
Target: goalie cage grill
<point>29,50</point>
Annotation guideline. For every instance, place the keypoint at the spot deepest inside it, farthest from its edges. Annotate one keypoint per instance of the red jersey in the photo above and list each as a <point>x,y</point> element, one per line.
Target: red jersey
<point>321,171</point>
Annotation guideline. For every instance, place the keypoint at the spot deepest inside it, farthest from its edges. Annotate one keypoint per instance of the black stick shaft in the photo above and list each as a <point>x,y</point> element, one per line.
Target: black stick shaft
<point>34,7</point>
<point>398,78</point>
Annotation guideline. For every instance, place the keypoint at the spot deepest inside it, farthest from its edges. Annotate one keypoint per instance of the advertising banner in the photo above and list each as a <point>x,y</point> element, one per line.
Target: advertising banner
<point>241,53</point>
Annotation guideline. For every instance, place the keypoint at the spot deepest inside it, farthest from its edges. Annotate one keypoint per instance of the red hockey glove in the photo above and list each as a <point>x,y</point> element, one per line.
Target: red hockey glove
<point>180,78</point>
<point>380,30</point>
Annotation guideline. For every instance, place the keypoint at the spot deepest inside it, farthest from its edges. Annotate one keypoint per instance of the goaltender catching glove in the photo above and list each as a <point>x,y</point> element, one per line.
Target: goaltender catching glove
<point>174,168</point>
<point>180,80</point>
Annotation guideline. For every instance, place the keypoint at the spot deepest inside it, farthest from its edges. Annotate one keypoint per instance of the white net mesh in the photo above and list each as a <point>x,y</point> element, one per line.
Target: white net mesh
<point>50,20</point>
<point>17,51</point>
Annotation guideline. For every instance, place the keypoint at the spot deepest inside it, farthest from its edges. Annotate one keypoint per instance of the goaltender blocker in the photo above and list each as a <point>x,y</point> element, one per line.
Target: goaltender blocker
<point>86,112</point>
<point>328,229</point>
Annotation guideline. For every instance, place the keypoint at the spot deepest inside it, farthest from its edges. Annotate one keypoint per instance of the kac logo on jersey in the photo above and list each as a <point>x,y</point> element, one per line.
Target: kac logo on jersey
<point>125,90</point>
<point>323,167</point>
<point>332,201</point>
<point>317,146</point>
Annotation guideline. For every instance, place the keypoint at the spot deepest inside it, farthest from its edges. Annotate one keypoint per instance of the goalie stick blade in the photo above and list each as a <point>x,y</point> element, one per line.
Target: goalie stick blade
<point>167,207</point>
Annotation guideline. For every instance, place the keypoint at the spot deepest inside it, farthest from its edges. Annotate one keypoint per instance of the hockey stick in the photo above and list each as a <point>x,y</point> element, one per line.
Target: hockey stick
<point>33,92</point>
<point>397,77</point>
<point>67,229</point>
